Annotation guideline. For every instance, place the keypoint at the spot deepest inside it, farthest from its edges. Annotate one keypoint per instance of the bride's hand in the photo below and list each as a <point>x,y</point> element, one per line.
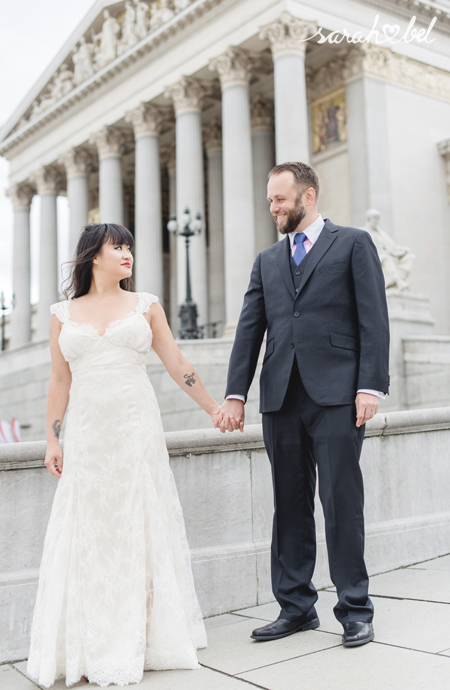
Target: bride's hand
<point>216,416</point>
<point>54,459</point>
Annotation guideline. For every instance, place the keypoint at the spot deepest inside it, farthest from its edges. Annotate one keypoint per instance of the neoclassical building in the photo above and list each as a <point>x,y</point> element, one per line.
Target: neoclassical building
<point>154,107</point>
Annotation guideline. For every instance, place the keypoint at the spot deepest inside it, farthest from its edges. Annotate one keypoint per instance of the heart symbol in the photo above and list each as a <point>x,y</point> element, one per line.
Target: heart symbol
<point>390,31</point>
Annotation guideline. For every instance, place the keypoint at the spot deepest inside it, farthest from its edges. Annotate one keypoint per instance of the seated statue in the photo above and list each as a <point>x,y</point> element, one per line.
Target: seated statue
<point>396,261</point>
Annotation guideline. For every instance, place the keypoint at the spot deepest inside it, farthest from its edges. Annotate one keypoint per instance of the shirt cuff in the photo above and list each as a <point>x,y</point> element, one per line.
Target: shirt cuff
<point>379,394</point>
<point>235,397</point>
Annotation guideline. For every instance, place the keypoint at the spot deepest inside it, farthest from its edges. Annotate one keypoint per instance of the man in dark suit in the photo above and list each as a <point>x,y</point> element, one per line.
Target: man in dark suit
<point>320,296</point>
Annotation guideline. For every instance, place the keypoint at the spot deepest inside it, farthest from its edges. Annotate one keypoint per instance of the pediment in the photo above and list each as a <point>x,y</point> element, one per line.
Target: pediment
<point>109,30</point>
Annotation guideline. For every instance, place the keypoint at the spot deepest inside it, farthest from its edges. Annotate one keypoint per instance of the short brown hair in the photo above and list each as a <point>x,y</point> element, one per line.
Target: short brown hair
<point>304,175</point>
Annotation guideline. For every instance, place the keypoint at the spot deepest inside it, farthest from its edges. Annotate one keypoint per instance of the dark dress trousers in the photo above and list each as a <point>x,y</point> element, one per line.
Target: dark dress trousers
<point>327,337</point>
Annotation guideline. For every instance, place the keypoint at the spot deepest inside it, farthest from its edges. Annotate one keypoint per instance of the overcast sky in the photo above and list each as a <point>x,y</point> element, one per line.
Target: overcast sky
<point>31,33</point>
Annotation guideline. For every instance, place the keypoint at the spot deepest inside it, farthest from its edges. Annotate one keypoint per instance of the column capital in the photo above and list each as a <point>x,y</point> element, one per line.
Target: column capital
<point>234,67</point>
<point>47,179</point>
<point>287,34</point>
<point>110,141</point>
<point>212,135</point>
<point>21,195</point>
<point>77,161</point>
<point>147,120</point>
<point>262,112</point>
<point>187,95</point>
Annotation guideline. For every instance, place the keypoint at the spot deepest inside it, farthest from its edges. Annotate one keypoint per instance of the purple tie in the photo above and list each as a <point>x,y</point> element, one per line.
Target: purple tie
<point>300,251</point>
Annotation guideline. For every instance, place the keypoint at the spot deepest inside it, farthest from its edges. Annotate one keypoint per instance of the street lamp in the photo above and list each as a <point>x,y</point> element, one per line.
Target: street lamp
<point>188,310</point>
<point>3,309</point>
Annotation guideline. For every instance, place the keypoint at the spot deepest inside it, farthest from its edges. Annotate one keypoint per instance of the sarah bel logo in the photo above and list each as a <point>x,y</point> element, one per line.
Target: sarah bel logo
<point>387,33</point>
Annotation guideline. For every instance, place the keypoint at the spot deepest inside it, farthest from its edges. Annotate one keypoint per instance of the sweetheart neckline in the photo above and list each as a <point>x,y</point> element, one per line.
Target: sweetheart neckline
<point>94,331</point>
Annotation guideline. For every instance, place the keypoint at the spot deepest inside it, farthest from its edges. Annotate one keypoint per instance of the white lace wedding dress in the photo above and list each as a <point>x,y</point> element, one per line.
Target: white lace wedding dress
<point>116,594</point>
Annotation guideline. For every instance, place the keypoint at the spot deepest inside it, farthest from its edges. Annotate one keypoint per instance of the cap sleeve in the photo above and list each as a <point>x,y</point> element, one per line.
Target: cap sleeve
<point>145,302</point>
<point>61,311</point>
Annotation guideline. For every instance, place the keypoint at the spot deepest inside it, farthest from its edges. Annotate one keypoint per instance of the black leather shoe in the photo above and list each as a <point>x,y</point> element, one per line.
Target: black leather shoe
<point>282,627</point>
<point>357,633</point>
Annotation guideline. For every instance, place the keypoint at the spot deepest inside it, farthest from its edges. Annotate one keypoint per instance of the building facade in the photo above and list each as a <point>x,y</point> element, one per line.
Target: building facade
<point>154,107</point>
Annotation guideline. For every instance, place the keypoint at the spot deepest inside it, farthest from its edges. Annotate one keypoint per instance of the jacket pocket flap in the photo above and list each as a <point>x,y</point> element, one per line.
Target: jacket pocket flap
<point>334,268</point>
<point>345,341</point>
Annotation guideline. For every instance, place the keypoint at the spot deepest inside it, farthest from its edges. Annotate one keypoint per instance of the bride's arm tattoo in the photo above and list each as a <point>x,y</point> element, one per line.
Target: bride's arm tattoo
<point>56,426</point>
<point>190,380</point>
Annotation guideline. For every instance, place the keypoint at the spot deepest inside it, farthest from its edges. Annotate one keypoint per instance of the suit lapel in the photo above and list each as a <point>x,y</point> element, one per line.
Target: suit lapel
<point>283,256</point>
<point>324,242</point>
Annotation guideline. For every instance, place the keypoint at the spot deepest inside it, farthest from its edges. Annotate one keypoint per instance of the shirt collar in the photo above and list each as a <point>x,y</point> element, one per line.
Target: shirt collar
<point>312,232</point>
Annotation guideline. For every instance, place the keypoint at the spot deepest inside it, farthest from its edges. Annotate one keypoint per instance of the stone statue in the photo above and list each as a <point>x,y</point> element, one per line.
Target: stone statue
<point>161,15</point>
<point>396,261</point>
<point>63,82</point>
<point>129,35</point>
<point>82,60</point>
<point>108,40</point>
<point>142,21</point>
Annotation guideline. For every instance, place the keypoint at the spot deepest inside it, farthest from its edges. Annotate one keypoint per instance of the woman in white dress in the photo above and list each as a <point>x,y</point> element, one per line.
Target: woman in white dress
<point>116,593</point>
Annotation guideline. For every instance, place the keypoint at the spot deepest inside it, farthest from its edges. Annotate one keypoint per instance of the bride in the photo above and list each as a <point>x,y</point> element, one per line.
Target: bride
<point>116,593</point>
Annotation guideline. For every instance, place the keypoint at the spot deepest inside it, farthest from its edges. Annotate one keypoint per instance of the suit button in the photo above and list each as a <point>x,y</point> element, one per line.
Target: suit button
<point>296,313</point>
<point>291,344</point>
<point>297,289</point>
<point>297,273</point>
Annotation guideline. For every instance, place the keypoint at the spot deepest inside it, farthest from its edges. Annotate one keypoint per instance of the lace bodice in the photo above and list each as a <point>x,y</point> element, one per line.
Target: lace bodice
<point>125,341</point>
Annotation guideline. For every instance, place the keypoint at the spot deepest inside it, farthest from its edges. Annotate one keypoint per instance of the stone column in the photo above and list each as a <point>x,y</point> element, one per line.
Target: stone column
<point>239,212</point>
<point>172,172</point>
<point>367,135</point>
<point>187,96</point>
<point>263,161</point>
<point>212,135</point>
<point>21,196</point>
<point>147,120</point>
<point>110,142</point>
<point>78,163</point>
<point>48,182</point>
<point>291,108</point>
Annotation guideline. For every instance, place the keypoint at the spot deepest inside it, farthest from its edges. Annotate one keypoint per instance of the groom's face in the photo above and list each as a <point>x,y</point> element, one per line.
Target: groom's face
<point>286,204</point>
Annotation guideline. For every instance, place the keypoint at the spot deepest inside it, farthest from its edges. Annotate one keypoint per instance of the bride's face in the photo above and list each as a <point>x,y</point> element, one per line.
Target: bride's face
<point>115,260</point>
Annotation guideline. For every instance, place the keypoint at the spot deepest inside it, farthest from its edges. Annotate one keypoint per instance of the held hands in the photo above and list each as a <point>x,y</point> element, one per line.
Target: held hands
<point>366,407</point>
<point>54,459</point>
<point>230,416</point>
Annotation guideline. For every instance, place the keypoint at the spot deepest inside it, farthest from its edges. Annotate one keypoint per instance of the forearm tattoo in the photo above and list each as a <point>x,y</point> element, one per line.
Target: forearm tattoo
<point>56,426</point>
<point>190,380</point>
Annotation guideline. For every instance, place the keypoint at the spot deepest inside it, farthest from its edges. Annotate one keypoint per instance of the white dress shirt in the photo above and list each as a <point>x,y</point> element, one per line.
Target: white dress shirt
<point>312,233</point>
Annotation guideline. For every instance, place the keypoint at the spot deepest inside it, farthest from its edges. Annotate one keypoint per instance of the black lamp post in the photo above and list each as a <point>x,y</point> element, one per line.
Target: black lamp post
<point>3,309</point>
<point>188,310</point>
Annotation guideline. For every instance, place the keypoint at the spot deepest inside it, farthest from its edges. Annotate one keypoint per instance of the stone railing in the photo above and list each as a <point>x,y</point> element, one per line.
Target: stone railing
<point>225,489</point>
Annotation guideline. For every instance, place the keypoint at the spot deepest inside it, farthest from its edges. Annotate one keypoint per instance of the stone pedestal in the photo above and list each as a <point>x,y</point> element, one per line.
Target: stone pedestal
<point>409,315</point>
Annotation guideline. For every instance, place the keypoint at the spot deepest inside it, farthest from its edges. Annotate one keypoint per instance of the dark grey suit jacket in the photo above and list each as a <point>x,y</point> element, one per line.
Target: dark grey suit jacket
<point>336,324</point>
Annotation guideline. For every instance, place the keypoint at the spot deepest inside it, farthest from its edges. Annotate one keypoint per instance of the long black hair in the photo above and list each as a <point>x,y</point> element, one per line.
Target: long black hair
<point>89,244</point>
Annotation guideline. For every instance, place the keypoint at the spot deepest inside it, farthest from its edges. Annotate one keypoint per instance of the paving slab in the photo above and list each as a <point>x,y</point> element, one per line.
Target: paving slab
<point>370,667</point>
<point>202,679</point>
<point>220,621</point>
<point>442,563</point>
<point>232,651</point>
<point>12,679</point>
<point>408,583</point>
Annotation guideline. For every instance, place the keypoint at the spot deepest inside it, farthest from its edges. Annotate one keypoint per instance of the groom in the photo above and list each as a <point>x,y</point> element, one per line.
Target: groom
<point>320,296</point>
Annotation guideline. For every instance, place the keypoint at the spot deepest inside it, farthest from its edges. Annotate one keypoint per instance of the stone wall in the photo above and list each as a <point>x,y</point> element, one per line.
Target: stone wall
<point>225,490</point>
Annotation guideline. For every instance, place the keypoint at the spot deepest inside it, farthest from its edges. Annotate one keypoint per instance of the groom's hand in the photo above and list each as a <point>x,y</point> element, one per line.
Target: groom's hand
<point>232,415</point>
<point>366,407</point>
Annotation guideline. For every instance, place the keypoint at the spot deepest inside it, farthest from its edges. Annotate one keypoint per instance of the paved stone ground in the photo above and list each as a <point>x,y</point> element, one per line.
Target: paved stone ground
<point>411,650</point>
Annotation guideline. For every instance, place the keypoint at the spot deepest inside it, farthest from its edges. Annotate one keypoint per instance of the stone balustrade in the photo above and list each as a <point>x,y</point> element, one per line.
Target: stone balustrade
<point>225,489</point>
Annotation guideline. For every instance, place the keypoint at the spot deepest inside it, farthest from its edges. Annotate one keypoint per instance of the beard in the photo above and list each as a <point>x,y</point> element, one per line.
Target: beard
<point>293,218</point>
